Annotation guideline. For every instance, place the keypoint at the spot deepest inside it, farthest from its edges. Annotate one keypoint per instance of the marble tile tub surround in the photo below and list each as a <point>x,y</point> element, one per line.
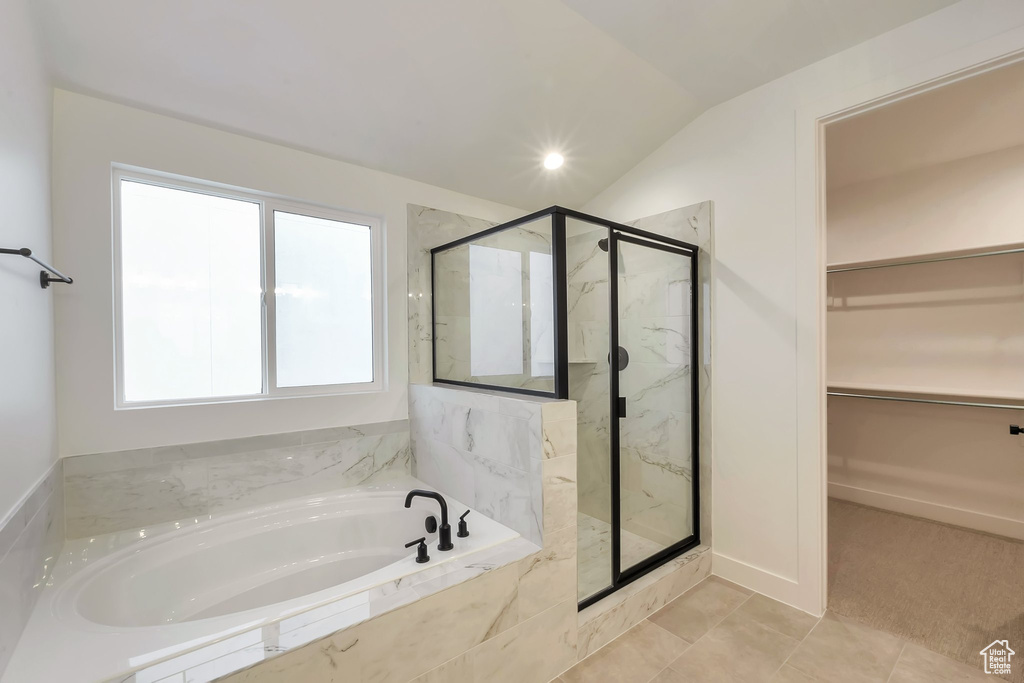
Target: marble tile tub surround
<point>30,542</point>
<point>512,457</point>
<point>487,628</point>
<point>199,651</point>
<point>107,492</point>
<point>511,622</point>
<point>507,613</point>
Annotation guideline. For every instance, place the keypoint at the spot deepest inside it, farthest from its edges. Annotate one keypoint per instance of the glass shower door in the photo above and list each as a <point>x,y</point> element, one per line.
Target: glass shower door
<point>636,430</point>
<point>655,388</point>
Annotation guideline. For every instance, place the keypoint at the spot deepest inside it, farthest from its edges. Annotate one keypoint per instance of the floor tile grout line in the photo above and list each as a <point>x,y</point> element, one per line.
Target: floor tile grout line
<point>786,635</point>
<point>689,644</point>
<point>727,615</point>
<point>710,628</point>
<point>648,619</point>
<point>717,623</point>
<point>663,670</point>
<point>661,628</point>
<point>896,663</point>
<point>798,644</point>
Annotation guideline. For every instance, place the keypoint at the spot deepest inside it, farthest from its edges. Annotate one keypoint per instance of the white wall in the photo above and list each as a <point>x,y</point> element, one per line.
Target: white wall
<point>755,157</point>
<point>92,134</point>
<point>952,464</point>
<point>953,326</point>
<point>27,403</point>
<point>964,204</point>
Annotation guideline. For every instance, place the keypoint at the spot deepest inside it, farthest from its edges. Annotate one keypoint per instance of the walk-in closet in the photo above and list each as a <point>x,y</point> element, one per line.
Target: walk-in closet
<point>925,365</point>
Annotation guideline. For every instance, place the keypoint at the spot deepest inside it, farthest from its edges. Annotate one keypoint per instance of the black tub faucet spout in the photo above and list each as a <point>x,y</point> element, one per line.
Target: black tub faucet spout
<point>444,532</point>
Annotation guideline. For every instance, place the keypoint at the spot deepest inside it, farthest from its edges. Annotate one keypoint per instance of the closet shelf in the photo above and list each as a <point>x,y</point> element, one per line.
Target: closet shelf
<point>931,257</point>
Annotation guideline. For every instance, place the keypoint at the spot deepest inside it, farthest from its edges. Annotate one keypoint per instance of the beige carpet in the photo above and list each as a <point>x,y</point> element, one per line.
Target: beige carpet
<point>949,589</point>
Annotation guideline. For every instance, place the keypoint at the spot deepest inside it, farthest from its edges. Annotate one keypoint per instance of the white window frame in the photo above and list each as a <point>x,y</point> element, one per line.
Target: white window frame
<point>268,204</point>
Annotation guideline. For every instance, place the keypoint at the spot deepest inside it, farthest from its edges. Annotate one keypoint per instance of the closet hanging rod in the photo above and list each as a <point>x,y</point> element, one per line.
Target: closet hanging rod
<point>44,276</point>
<point>933,401</point>
<point>933,259</point>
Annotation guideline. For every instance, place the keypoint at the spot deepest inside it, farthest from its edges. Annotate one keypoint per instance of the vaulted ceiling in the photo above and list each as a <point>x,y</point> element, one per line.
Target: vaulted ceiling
<point>464,94</point>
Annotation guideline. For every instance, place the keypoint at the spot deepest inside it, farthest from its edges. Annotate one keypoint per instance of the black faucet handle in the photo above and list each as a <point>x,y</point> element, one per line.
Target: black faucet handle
<point>463,527</point>
<point>421,550</point>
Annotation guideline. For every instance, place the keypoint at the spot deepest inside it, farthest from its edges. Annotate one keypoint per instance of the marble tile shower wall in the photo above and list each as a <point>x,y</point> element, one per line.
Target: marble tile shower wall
<point>512,459</point>
<point>30,540</point>
<point>428,228</point>
<point>588,289</point>
<point>655,436</point>
<point>106,492</point>
<point>587,274</point>
<point>694,224</point>
<point>654,320</point>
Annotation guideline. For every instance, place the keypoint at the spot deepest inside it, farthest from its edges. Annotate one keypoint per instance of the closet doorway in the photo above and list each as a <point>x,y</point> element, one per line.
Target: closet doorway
<point>925,372</point>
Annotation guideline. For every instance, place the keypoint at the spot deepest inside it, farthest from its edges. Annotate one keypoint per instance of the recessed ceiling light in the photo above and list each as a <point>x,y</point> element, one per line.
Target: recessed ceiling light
<point>553,161</point>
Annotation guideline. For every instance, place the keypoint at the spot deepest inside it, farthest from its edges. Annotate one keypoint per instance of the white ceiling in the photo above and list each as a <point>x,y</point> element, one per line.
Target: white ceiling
<point>464,94</point>
<point>977,115</point>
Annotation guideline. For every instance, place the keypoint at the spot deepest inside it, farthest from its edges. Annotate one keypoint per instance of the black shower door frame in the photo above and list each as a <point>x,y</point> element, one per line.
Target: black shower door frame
<point>621,577</point>
<point>617,232</point>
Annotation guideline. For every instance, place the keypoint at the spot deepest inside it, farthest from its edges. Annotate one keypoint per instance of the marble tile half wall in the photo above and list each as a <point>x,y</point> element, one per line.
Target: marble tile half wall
<point>511,457</point>
<point>511,622</point>
<point>30,541</point>
<point>107,492</point>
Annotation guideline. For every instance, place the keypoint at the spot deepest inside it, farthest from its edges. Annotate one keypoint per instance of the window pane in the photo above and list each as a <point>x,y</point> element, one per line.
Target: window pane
<point>192,319</point>
<point>323,301</point>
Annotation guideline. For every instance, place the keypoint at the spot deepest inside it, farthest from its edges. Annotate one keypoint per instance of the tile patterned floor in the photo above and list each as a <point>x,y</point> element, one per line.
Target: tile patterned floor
<point>719,632</point>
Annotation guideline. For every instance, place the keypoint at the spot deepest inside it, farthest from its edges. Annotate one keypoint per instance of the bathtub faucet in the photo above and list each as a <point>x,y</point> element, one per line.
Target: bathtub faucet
<point>444,532</point>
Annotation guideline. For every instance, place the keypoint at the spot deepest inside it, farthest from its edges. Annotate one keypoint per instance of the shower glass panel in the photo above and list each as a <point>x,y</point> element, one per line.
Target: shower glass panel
<point>493,304</point>
<point>656,494</point>
<point>588,328</point>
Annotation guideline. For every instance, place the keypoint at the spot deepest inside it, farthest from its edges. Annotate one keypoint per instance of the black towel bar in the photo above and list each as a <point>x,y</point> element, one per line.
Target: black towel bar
<point>44,277</point>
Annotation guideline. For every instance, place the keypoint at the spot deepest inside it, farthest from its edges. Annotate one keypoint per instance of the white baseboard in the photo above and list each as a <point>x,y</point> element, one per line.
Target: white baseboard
<point>968,519</point>
<point>774,586</point>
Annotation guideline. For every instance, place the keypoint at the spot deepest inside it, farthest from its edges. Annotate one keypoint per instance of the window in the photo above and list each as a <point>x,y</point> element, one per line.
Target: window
<point>193,269</point>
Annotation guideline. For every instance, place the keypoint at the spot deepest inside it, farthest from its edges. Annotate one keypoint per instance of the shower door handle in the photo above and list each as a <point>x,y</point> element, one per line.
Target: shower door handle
<point>622,406</point>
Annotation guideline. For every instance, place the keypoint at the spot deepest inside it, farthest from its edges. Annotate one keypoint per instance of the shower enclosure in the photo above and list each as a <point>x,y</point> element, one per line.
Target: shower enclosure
<point>536,306</point>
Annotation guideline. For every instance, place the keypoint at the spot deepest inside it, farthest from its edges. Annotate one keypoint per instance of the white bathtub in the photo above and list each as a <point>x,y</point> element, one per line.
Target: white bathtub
<point>117,606</point>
